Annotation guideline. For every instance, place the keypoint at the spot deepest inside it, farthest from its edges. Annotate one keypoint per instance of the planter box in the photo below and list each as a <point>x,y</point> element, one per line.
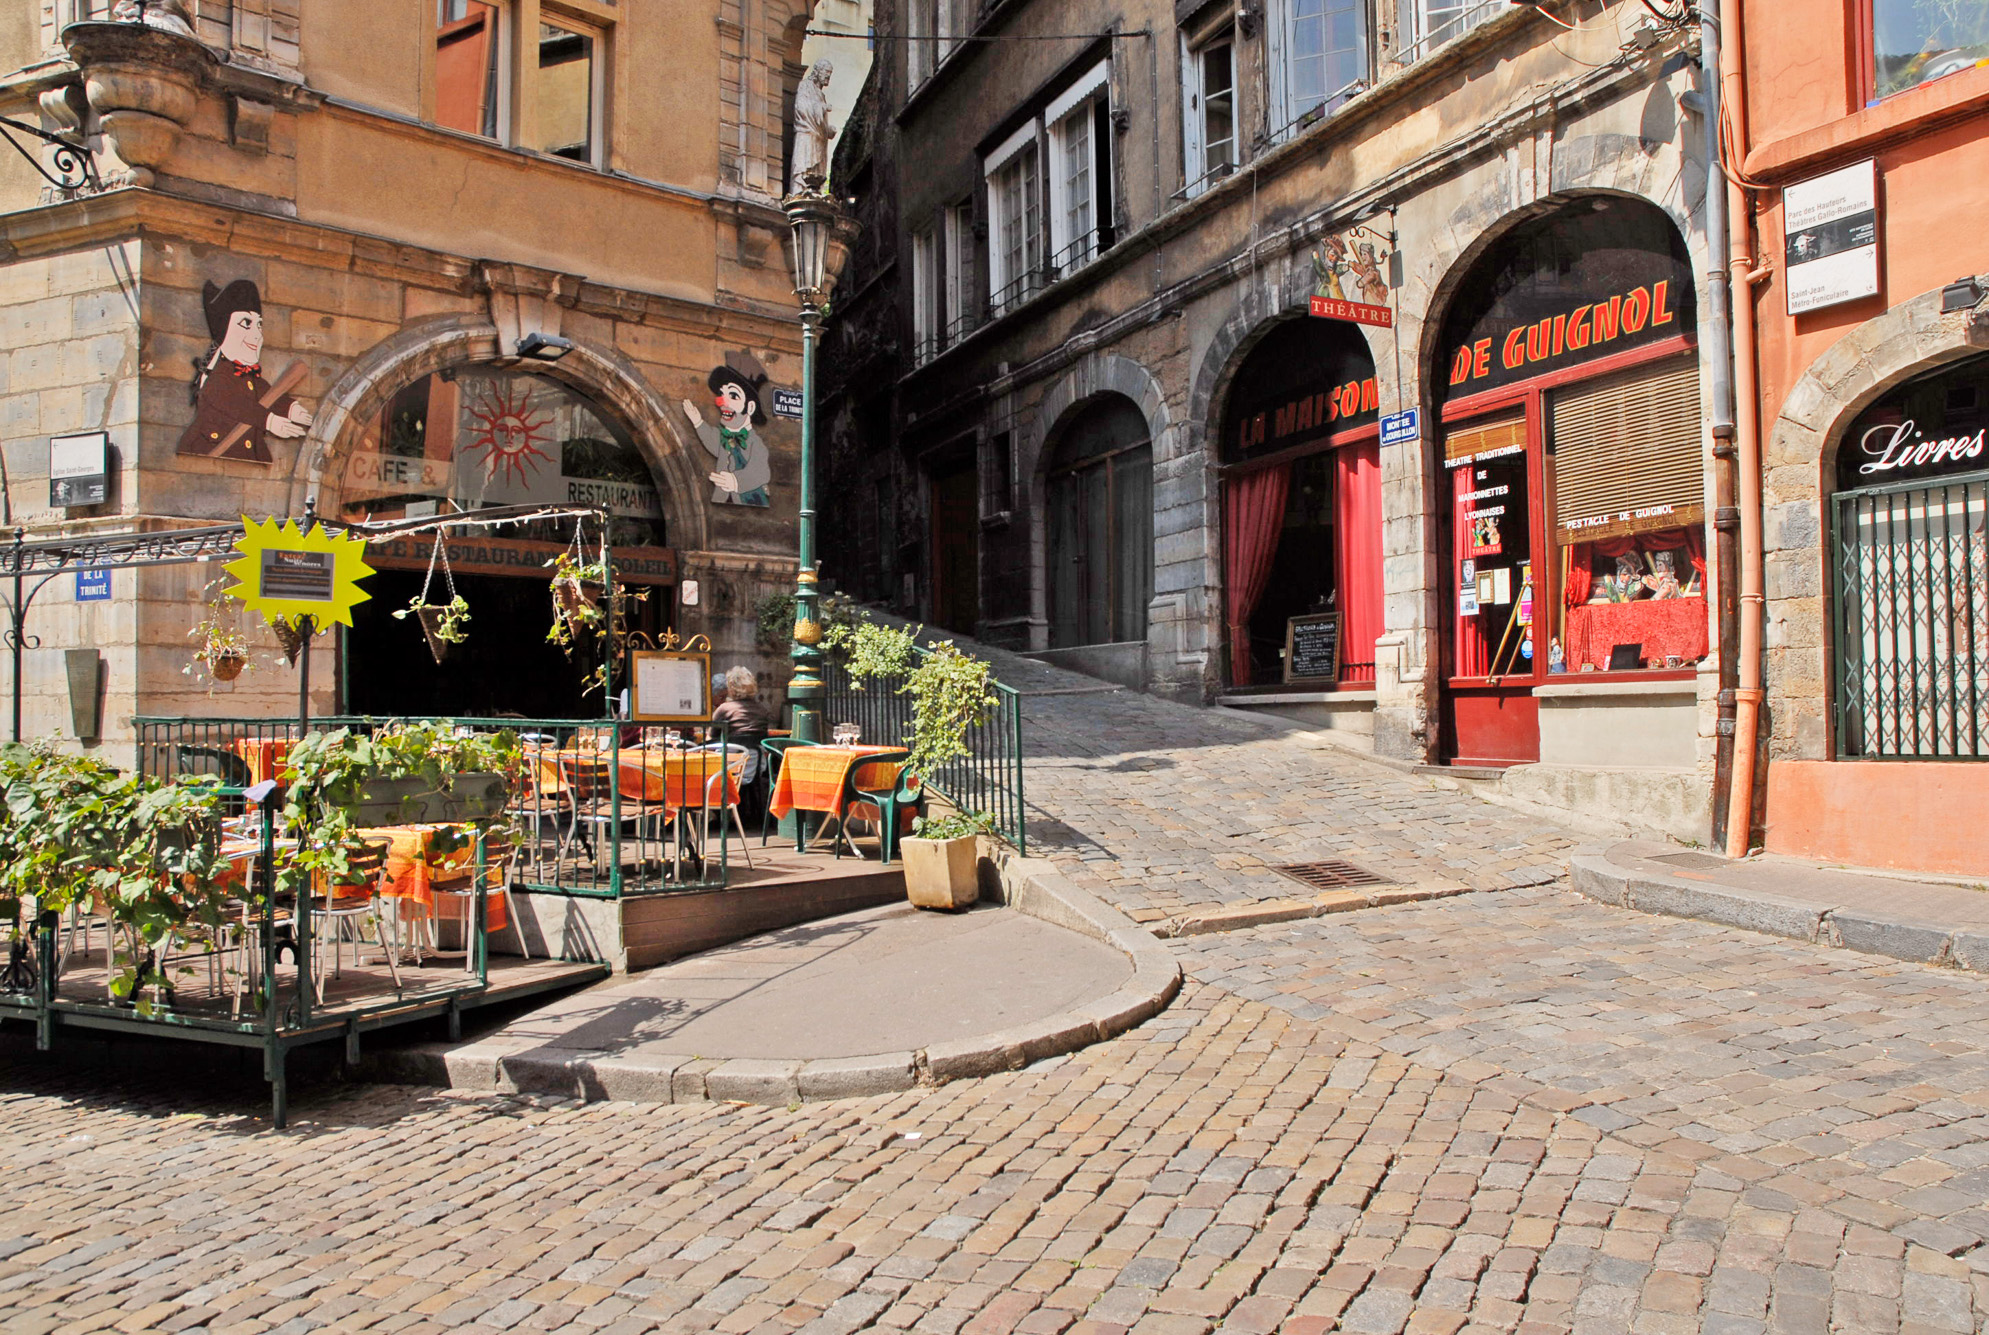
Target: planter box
<point>413,802</point>
<point>942,873</point>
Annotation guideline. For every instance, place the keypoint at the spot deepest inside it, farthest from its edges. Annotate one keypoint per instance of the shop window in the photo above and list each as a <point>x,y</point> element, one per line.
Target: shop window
<point>468,64</point>
<point>568,100</point>
<point>1015,249</point>
<point>1319,59</point>
<point>1915,41</point>
<point>1208,110</point>
<point>1910,573</point>
<point>1100,549</point>
<point>1629,512</point>
<point>464,439</point>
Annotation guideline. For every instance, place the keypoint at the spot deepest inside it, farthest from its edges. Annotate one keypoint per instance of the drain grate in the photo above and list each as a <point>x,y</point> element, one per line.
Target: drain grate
<point>1692,861</point>
<point>1330,875</point>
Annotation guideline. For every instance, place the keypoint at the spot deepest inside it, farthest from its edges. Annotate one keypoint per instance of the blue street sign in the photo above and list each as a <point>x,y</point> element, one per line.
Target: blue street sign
<point>787,403</point>
<point>93,586</point>
<point>1401,428</point>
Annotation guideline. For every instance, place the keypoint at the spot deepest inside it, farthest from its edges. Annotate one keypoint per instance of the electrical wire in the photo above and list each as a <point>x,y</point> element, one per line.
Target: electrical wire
<point>979,37</point>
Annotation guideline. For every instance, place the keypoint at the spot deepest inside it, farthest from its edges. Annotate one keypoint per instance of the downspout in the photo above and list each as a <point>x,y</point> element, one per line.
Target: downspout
<point>1748,692</point>
<point>1719,361</point>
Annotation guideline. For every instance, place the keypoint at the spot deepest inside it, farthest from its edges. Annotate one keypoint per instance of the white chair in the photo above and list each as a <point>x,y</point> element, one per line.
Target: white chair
<point>718,793</point>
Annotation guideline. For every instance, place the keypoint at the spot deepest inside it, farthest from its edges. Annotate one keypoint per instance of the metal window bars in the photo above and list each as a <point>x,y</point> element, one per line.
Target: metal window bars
<point>1468,17</point>
<point>1310,117</point>
<point>1912,620</point>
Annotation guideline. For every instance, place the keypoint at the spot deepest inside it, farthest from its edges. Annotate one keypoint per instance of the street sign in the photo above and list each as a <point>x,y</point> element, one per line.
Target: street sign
<point>787,403</point>
<point>1830,236</point>
<point>1329,308</point>
<point>93,586</point>
<point>1402,428</point>
<point>79,469</point>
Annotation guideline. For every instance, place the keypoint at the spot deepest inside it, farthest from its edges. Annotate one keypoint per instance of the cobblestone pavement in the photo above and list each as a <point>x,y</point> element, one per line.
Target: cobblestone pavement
<point>1165,809</point>
<point>1507,1111</point>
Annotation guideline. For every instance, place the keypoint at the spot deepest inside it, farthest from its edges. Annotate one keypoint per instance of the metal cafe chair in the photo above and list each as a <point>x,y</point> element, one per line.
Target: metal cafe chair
<point>724,789</point>
<point>349,905</point>
<point>589,782</point>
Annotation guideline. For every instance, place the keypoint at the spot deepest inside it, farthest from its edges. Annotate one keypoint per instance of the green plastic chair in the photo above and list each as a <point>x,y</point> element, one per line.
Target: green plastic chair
<point>907,793</point>
<point>886,801</point>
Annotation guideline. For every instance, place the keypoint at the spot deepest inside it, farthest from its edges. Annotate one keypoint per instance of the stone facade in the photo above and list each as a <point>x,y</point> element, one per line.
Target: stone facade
<point>1449,148</point>
<point>385,247</point>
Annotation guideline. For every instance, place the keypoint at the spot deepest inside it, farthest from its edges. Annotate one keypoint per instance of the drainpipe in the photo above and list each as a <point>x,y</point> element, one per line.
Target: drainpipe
<point>1746,437</point>
<point>1719,335</point>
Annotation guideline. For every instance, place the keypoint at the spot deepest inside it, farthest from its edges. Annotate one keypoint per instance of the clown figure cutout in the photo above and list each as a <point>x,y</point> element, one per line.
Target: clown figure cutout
<point>237,409</point>
<point>742,472</point>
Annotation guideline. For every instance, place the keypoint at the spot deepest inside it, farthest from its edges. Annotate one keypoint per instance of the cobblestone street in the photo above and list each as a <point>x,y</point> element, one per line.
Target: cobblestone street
<point>1509,1110</point>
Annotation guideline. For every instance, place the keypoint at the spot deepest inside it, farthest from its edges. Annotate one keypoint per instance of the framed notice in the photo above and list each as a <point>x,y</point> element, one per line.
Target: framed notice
<point>1312,648</point>
<point>1830,234</point>
<point>669,687</point>
<point>79,469</point>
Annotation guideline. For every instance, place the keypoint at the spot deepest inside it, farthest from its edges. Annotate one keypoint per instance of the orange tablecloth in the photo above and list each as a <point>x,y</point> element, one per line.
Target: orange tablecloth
<point>677,778</point>
<point>265,755</point>
<point>1665,627</point>
<point>420,855</point>
<point>811,777</point>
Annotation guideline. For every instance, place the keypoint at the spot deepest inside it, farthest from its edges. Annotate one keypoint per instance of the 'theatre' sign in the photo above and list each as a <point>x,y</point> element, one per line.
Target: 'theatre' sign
<point>1326,308</point>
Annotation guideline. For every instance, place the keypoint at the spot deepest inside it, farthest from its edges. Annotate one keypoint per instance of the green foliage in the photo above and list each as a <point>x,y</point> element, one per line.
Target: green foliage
<point>957,825</point>
<point>455,620</point>
<point>219,633</point>
<point>951,691</point>
<point>867,650</point>
<point>774,615</point>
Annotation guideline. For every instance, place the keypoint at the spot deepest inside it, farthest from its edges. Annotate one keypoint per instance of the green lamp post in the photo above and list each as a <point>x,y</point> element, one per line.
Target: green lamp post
<point>820,247</point>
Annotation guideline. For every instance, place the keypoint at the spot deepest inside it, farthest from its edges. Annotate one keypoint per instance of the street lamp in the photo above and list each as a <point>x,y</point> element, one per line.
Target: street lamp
<point>820,247</point>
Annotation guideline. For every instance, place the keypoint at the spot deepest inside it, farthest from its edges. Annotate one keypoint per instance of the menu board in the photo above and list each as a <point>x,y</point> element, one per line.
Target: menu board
<point>670,687</point>
<point>1312,648</point>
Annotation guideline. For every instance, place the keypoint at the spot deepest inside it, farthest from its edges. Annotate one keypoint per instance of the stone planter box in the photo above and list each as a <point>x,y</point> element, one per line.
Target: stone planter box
<point>942,873</point>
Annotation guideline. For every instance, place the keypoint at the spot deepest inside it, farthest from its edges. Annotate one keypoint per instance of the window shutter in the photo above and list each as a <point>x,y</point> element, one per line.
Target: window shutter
<point>1628,444</point>
<point>1461,447</point>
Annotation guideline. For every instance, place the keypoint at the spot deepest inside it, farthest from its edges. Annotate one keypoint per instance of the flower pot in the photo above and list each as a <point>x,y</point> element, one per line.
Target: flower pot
<point>144,82</point>
<point>431,630</point>
<point>394,802</point>
<point>942,873</point>
<point>473,797</point>
<point>227,666</point>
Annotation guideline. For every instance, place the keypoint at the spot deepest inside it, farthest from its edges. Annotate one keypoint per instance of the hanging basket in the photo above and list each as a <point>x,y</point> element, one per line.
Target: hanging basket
<point>431,630</point>
<point>228,666</point>
<point>290,638</point>
<point>572,599</point>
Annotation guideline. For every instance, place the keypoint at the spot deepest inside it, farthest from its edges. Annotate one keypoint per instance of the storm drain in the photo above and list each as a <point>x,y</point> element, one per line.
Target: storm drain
<point>1330,875</point>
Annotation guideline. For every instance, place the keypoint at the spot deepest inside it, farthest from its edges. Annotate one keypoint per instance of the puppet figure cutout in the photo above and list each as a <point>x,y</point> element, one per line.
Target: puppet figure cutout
<point>743,470</point>
<point>236,407</point>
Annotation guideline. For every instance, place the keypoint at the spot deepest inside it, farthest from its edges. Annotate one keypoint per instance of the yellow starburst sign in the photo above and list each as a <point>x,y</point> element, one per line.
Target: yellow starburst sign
<point>286,573</point>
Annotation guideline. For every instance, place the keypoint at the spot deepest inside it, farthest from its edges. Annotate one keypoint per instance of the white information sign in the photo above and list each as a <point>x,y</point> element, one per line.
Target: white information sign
<point>1830,231</point>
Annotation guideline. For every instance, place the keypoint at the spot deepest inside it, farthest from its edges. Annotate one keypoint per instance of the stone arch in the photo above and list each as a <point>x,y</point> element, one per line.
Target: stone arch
<point>1798,465</point>
<point>603,374</point>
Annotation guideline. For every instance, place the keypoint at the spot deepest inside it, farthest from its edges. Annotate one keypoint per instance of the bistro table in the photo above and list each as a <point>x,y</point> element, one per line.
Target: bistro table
<point>812,779</point>
<point>418,856</point>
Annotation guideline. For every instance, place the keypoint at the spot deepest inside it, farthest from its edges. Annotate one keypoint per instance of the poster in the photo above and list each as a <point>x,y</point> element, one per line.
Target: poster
<point>670,687</point>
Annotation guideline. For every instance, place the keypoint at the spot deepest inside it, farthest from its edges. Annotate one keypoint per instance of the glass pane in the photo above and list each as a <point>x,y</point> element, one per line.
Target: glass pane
<point>1914,41</point>
<point>1498,603</point>
<point>466,67</point>
<point>1132,542</point>
<point>1218,110</point>
<point>565,95</point>
<point>1077,185</point>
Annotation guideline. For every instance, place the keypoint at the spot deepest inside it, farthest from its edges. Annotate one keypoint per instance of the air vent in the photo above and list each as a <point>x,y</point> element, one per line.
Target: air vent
<point>1330,875</point>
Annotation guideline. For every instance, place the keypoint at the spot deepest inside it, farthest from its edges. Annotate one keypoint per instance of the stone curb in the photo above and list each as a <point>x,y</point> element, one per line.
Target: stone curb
<point>1259,912</point>
<point>1031,885</point>
<point>1852,929</point>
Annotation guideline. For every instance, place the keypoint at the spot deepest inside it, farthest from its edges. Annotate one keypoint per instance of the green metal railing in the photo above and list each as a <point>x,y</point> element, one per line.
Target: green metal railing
<point>1912,620</point>
<point>987,779</point>
<point>596,818</point>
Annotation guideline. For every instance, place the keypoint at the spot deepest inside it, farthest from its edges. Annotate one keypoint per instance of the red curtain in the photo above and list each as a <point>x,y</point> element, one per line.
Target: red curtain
<point>1253,521</point>
<point>1357,485</point>
<point>1581,578</point>
<point>1474,652</point>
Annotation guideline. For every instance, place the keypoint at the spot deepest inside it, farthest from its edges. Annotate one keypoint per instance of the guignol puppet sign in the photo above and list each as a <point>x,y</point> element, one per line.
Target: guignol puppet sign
<point>236,407</point>
<point>742,472</point>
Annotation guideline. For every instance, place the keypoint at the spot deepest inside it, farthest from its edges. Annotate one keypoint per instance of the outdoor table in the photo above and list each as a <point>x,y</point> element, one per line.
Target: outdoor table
<point>420,855</point>
<point>811,777</point>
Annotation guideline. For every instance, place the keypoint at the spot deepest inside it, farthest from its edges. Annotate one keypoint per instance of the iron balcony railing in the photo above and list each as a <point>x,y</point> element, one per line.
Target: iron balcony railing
<point>598,814</point>
<point>987,779</point>
<point>1912,621</point>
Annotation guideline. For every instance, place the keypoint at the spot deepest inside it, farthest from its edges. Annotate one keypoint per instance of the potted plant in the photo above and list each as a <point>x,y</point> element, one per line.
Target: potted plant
<point>222,645</point>
<point>442,624</point>
<point>576,605</point>
<point>942,860</point>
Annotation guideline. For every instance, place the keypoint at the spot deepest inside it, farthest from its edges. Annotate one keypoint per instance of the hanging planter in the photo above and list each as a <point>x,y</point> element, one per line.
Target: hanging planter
<point>227,666</point>
<point>442,624</point>
<point>224,649</point>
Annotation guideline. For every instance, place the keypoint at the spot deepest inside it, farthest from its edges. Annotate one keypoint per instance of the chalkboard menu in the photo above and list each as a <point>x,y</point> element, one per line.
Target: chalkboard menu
<point>1312,648</point>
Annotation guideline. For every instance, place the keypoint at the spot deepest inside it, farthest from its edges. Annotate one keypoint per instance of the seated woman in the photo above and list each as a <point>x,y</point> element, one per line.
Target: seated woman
<point>743,716</point>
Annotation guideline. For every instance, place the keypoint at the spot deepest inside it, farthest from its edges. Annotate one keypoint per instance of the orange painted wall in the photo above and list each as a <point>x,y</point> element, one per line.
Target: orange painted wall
<point>1904,815</point>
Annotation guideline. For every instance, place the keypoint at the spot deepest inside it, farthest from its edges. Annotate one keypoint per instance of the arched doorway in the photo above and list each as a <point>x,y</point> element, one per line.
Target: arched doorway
<point>1909,551</point>
<point>1572,467</point>
<point>1301,467</point>
<point>1099,489</point>
<point>459,440</point>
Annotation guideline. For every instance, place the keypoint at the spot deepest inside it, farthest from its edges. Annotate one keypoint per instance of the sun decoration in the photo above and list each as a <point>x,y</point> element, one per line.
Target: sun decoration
<point>510,429</point>
<point>285,573</point>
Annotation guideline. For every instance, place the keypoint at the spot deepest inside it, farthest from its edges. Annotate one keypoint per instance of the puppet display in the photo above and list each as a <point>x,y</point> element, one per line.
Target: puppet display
<point>236,407</point>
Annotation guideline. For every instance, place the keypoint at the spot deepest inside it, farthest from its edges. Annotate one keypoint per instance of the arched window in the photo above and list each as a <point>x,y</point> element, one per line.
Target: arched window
<point>1101,526</point>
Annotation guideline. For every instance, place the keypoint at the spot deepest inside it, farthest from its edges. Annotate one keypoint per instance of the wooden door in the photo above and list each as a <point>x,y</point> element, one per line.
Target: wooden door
<point>956,549</point>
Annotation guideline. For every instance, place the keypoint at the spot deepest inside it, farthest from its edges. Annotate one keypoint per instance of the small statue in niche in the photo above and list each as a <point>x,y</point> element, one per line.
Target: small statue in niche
<point>813,130</point>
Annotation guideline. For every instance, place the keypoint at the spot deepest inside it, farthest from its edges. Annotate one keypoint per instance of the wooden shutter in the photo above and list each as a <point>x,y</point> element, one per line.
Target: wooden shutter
<point>1461,447</point>
<point>1625,444</point>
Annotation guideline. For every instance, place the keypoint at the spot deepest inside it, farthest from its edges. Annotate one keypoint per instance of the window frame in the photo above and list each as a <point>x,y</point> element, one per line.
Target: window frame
<point>504,57</point>
<point>926,279</point>
<point>597,93</point>
<point>1196,173</point>
<point>960,317</point>
<point>1021,153</point>
<point>1278,28</point>
<point>1086,103</point>
<point>1864,46</point>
